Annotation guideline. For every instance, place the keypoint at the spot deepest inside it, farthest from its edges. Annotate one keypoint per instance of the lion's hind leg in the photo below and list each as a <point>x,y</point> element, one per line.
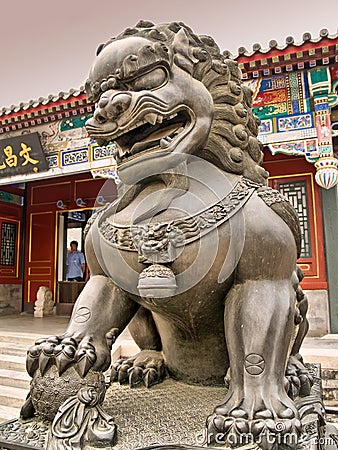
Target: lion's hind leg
<point>298,376</point>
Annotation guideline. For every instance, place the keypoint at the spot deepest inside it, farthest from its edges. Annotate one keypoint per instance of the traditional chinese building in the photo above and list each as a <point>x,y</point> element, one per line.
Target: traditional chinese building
<point>52,175</point>
<point>295,94</point>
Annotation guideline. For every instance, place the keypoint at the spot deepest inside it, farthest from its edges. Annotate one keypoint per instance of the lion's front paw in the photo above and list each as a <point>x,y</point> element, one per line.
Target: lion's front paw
<point>147,367</point>
<point>254,415</point>
<point>84,352</point>
<point>298,376</point>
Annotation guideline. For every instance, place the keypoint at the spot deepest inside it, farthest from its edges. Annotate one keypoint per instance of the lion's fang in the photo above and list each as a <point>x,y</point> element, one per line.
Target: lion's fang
<point>151,118</point>
<point>164,142</point>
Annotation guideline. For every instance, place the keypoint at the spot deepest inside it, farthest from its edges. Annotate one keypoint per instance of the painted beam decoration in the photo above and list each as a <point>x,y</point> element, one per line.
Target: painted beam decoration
<point>280,95</point>
<point>22,155</point>
<point>308,148</point>
<point>295,113</point>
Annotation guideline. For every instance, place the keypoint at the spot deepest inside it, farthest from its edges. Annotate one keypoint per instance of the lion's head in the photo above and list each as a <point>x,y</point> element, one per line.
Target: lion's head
<point>162,91</point>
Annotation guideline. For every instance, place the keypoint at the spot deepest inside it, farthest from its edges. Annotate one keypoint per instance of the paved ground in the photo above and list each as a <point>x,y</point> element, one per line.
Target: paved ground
<point>27,323</point>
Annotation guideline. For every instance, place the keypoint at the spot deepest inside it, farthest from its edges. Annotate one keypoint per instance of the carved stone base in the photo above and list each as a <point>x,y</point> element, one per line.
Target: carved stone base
<point>170,415</point>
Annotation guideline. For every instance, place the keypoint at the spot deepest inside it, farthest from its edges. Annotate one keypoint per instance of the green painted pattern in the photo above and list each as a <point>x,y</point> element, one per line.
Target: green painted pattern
<point>70,123</point>
<point>278,109</point>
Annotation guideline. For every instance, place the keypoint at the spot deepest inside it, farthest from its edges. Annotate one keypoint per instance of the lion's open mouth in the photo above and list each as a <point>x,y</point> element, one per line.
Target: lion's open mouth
<point>158,131</point>
<point>152,131</point>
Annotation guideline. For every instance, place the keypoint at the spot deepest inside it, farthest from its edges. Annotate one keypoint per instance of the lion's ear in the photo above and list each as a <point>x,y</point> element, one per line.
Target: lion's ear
<point>184,57</point>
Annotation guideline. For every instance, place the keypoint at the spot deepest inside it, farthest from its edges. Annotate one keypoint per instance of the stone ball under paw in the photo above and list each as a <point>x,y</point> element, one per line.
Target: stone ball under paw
<point>50,391</point>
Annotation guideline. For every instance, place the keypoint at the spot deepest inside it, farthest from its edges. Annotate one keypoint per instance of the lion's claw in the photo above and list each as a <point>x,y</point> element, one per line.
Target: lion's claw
<point>262,417</point>
<point>46,357</point>
<point>121,369</point>
<point>45,361</point>
<point>62,363</point>
<point>64,357</point>
<point>135,376</point>
<point>32,362</point>
<point>151,377</point>
<point>85,360</point>
<point>147,368</point>
<point>64,352</point>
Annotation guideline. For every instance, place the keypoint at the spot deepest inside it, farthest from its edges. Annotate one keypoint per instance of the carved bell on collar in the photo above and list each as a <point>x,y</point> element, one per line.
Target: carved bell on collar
<point>157,281</point>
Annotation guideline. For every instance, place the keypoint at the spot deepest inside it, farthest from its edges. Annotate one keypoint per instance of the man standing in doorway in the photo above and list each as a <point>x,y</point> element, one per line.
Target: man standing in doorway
<point>75,263</point>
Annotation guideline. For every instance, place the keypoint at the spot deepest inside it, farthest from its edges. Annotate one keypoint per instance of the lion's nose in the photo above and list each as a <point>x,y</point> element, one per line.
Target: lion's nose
<point>111,107</point>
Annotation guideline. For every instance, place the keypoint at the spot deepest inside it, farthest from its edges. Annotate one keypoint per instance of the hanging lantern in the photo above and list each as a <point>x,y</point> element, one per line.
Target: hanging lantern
<point>327,172</point>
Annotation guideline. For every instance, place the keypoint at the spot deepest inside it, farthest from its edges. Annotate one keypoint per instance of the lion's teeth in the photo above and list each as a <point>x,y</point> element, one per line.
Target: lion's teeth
<point>121,152</point>
<point>159,119</point>
<point>164,143</point>
<point>151,118</point>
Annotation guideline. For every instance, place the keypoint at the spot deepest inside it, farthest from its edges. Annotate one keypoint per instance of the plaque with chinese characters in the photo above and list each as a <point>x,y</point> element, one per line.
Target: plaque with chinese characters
<point>22,155</point>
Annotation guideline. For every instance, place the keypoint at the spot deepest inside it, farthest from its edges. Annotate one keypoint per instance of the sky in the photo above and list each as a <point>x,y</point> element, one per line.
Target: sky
<point>48,46</point>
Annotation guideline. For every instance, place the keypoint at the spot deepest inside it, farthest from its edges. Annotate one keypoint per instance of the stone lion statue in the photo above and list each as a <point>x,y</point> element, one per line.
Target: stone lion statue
<point>44,304</point>
<point>197,255</point>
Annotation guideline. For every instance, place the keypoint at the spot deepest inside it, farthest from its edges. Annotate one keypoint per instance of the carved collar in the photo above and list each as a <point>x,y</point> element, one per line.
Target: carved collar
<point>162,242</point>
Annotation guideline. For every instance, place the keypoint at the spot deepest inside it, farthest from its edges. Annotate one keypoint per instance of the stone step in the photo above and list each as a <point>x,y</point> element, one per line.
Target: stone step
<point>8,413</point>
<point>326,357</point>
<point>13,349</point>
<point>14,378</point>
<point>330,384</point>
<point>20,339</point>
<point>12,362</point>
<point>330,374</point>
<point>12,396</point>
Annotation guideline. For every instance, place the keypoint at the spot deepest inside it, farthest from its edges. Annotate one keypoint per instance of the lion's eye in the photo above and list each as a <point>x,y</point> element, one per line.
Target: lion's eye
<point>150,80</point>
